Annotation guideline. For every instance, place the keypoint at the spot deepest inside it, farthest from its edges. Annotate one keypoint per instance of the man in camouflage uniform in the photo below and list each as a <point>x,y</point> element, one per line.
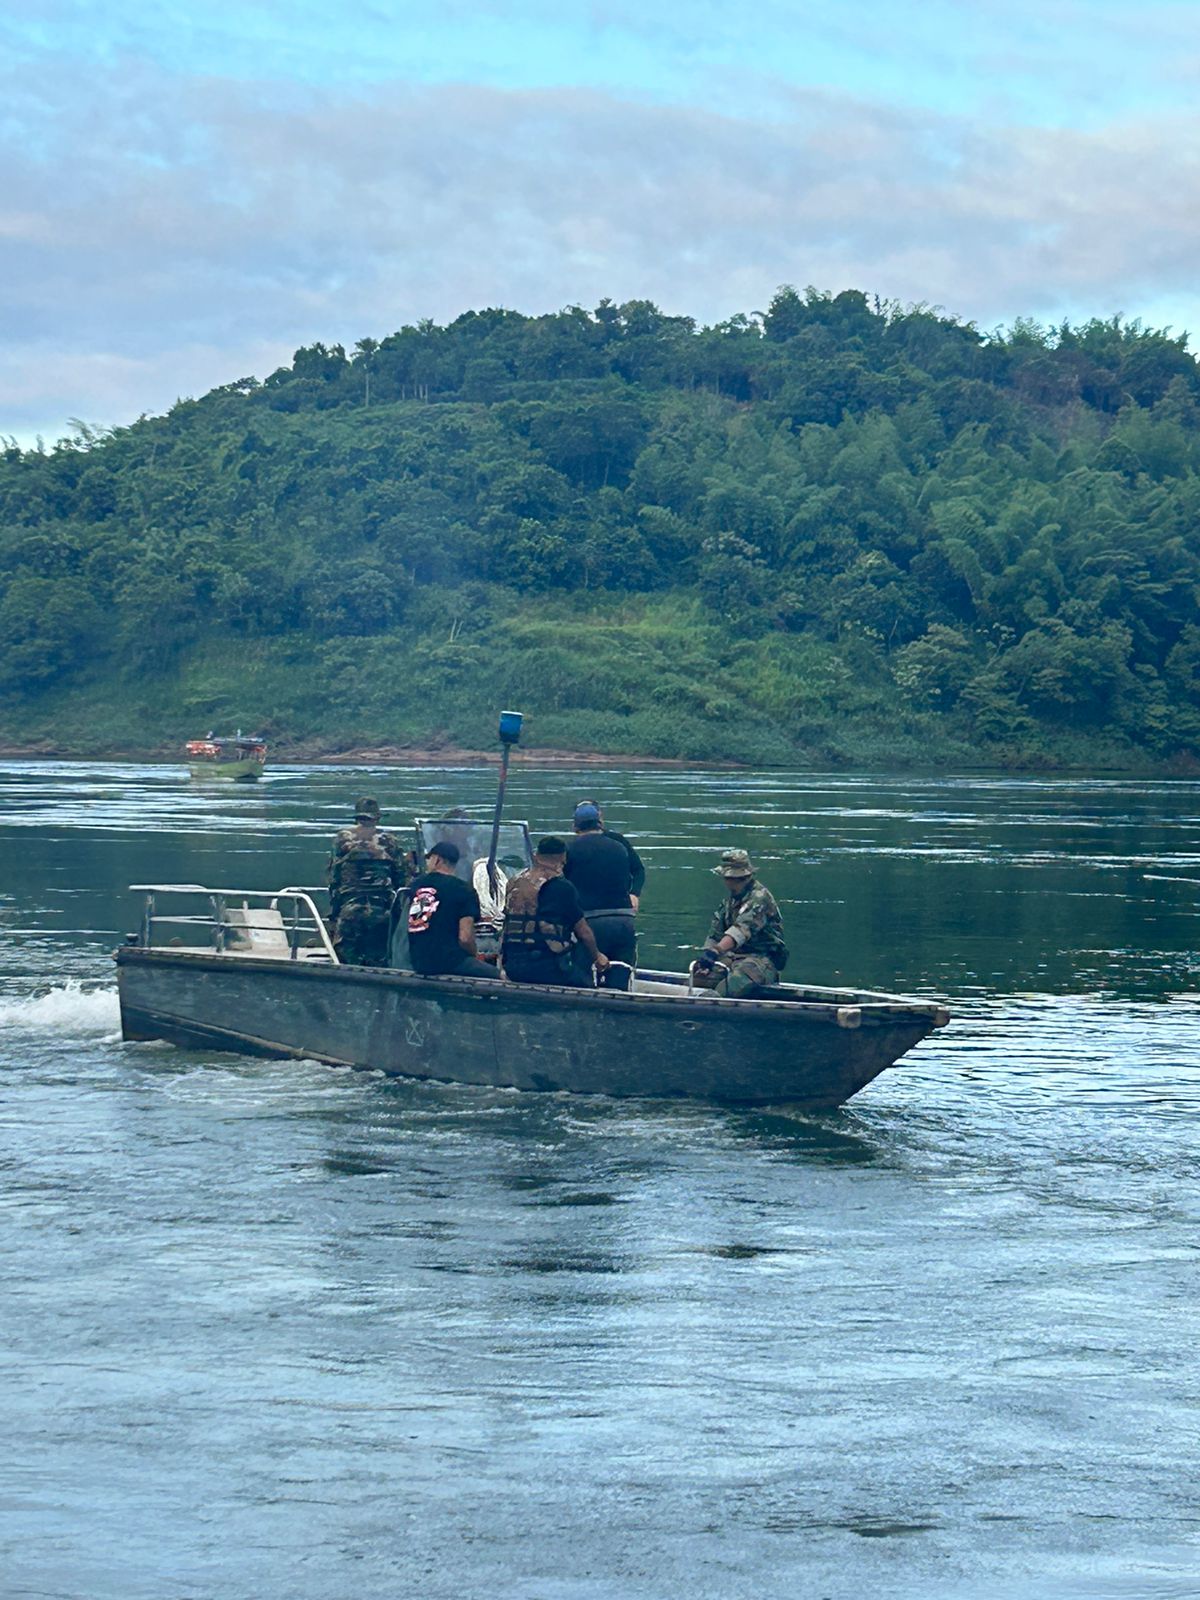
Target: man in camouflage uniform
<point>366,867</point>
<point>746,935</point>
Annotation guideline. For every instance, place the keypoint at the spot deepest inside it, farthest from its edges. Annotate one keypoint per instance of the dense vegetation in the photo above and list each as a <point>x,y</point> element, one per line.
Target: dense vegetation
<point>842,531</point>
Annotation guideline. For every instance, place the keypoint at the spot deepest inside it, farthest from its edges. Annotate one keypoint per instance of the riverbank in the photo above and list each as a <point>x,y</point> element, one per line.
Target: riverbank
<point>454,756</point>
<point>97,725</point>
<point>367,756</point>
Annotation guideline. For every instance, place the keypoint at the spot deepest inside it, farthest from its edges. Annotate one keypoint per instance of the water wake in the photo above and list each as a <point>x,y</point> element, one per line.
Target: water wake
<point>69,1009</point>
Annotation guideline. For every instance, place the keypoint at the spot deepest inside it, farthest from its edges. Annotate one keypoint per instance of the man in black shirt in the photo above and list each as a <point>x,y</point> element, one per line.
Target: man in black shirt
<point>609,875</point>
<point>544,927</point>
<point>442,913</point>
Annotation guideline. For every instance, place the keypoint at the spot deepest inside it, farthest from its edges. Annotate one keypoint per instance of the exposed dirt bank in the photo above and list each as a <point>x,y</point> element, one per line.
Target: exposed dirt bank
<point>373,756</point>
<point>284,753</point>
<point>453,756</point>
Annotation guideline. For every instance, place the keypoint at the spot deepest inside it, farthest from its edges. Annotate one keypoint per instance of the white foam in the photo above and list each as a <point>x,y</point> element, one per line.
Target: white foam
<point>68,1009</point>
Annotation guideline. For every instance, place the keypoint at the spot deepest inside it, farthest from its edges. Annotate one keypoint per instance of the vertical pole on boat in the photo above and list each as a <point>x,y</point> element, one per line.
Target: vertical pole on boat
<point>510,732</point>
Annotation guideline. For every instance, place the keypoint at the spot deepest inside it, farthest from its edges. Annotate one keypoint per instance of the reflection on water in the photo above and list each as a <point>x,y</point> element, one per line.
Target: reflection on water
<point>278,1329</point>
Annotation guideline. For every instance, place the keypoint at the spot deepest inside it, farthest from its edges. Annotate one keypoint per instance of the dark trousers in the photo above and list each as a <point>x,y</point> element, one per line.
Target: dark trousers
<point>472,967</point>
<point>467,967</point>
<point>536,970</point>
<point>615,934</point>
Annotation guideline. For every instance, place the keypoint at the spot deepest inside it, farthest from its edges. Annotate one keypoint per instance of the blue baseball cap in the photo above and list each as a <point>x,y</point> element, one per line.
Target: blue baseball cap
<point>587,811</point>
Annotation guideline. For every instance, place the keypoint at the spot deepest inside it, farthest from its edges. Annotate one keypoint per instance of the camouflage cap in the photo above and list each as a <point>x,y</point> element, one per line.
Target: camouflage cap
<point>367,808</point>
<point>735,864</point>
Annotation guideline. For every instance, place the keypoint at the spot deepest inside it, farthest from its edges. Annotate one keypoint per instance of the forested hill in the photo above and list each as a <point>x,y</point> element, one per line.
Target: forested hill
<point>842,531</point>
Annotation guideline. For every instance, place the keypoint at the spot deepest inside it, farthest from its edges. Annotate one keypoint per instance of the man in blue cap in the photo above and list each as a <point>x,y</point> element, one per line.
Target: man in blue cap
<point>608,875</point>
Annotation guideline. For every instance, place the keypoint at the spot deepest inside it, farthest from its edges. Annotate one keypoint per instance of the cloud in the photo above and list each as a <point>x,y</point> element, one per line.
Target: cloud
<point>163,234</point>
<point>50,387</point>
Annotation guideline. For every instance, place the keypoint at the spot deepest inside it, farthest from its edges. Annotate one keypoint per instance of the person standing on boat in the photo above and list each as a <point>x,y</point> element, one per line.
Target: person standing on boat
<point>544,925</point>
<point>744,950</point>
<point>609,876</point>
<point>442,913</point>
<point>365,869</point>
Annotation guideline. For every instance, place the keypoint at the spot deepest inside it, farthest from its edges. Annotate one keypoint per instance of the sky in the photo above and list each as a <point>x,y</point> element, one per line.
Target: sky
<point>189,192</point>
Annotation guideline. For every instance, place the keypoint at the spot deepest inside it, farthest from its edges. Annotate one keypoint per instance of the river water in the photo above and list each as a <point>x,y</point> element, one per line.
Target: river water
<point>281,1330</point>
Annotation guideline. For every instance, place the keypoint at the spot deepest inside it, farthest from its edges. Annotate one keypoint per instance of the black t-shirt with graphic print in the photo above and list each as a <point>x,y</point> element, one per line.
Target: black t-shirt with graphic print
<point>437,902</point>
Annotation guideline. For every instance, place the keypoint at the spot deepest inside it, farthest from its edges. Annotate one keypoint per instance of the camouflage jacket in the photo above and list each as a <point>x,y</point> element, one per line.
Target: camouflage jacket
<point>753,922</point>
<point>363,864</point>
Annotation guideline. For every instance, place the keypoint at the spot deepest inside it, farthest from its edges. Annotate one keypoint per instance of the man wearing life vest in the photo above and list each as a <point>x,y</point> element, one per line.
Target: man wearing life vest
<point>546,936</point>
<point>365,869</point>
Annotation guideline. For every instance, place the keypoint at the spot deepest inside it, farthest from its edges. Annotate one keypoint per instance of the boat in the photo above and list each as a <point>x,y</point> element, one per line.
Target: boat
<point>260,977</point>
<point>256,972</point>
<point>240,757</point>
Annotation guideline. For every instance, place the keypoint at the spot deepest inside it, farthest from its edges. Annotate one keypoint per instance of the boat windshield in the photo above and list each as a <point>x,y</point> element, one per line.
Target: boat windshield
<point>474,838</point>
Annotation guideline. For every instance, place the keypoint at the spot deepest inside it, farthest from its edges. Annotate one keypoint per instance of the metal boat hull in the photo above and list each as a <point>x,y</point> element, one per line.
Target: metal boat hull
<point>503,1035</point>
<point>247,771</point>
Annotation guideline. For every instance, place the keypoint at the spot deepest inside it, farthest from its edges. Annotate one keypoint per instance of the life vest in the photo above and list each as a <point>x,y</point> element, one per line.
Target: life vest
<point>526,932</point>
<point>363,868</point>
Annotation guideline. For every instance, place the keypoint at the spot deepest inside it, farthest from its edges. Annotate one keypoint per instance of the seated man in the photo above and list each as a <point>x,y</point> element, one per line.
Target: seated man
<point>545,931</point>
<point>442,913</point>
<point>744,950</point>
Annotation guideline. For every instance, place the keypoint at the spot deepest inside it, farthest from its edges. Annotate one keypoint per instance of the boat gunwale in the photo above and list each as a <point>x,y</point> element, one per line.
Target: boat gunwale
<point>875,1007</point>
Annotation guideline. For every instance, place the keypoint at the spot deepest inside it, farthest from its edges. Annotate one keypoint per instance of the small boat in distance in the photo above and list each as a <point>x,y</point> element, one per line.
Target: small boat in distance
<point>240,759</point>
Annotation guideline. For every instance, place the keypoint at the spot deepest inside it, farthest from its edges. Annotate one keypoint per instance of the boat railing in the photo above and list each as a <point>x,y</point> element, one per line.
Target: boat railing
<point>273,923</point>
